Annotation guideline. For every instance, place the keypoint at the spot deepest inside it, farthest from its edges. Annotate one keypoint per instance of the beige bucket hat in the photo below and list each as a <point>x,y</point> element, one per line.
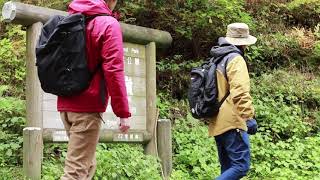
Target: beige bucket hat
<point>238,34</point>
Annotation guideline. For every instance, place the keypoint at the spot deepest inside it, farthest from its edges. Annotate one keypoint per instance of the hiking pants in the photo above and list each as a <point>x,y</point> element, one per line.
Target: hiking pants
<point>234,154</point>
<point>83,132</point>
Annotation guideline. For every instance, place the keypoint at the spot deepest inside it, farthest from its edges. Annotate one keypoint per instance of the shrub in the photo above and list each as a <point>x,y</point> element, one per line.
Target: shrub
<point>197,23</point>
<point>11,173</point>
<point>195,155</point>
<point>12,60</point>
<point>315,57</point>
<point>11,124</point>
<point>273,51</point>
<point>120,161</point>
<point>12,114</point>
<point>275,15</point>
<point>294,158</point>
<point>282,100</point>
<point>125,162</point>
<point>304,12</point>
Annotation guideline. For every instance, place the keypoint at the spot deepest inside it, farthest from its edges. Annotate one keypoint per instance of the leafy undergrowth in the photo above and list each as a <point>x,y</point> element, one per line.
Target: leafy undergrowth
<point>114,162</point>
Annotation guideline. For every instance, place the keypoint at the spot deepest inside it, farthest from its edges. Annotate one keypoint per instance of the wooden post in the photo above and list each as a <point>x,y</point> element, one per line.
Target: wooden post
<point>164,139</point>
<point>33,90</point>
<point>32,152</point>
<point>151,147</point>
<point>32,136</point>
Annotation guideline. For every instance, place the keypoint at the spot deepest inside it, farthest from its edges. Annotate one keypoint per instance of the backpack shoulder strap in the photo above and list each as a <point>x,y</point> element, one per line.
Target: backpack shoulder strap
<point>88,18</point>
<point>217,61</point>
<point>224,98</point>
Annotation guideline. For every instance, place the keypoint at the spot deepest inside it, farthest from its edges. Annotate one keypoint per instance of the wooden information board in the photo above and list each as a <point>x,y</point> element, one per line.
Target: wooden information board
<point>135,78</point>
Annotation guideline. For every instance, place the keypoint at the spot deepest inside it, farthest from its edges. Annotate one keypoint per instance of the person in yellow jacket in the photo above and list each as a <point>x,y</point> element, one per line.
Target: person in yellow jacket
<point>235,119</point>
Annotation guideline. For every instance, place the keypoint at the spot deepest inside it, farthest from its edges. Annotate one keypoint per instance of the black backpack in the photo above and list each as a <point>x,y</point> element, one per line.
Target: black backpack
<point>61,55</point>
<point>203,91</point>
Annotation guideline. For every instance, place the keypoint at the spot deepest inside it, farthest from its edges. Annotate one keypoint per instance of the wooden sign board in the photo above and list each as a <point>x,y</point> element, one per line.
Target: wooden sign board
<point>135,78</point>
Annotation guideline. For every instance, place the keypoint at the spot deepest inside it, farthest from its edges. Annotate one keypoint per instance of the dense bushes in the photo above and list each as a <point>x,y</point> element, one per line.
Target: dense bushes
<point>296,47</point>
<point>304,12</point>
<point>295,158</point>
<point>126,162</point>
<point>195,154</point>
<point>286,104</point>
<point>274,15</point>
<point>12,60</point>
<point>12,105</point>
<point>197,24</point>
<point>12,120</point>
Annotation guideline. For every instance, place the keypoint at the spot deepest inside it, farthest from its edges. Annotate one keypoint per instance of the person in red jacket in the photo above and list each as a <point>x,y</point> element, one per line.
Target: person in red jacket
<point>81,114</point>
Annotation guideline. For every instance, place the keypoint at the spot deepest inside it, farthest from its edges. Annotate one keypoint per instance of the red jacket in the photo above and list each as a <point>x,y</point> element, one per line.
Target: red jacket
<point>105,47</point>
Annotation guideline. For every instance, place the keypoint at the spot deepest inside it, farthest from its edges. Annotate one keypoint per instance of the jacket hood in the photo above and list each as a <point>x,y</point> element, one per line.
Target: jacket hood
<point>224,48</point>
<point>89,7</point>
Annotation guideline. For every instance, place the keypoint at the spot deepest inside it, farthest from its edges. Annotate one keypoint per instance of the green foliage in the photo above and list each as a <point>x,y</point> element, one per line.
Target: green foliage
<point>125,162</point>
<point>204,13</point>
<point>306,12</point>
<point>121,161</point>
<point>53,161</point>
<point>275,15</point>
<point>170,108</point>
<point>11,123</point>
<point>315,57</point>
<point>268,14</point>
<point>283,149</point>
<point>54,4</point>
<point>12,114</point>
<point>11,173</point>
<point>282,102</point>
<point>197,23</point>
<point>10,148</point>
<point>12,108</point>
<point>172,82</point>
<point>52,170</point>
<point>12,60</point>
<point>2,3</point>
<point>274,50</point>
<point>195,155</point>
<point>163,105</point>
<point>294,158</point>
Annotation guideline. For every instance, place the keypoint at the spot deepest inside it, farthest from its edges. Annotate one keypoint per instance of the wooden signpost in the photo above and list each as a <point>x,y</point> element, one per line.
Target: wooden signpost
<point>43,120</point>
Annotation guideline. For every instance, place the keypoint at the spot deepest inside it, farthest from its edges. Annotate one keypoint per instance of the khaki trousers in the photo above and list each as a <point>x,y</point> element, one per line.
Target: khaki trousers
<point>83,132</point>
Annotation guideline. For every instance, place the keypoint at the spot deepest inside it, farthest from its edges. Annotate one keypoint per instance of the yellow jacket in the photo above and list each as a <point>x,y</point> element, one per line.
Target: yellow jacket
<point>232,75</point>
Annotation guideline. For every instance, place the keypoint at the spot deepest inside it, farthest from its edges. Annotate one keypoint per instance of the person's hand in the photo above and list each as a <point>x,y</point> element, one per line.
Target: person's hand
<point>252,126</point>
<point>124,125</point>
